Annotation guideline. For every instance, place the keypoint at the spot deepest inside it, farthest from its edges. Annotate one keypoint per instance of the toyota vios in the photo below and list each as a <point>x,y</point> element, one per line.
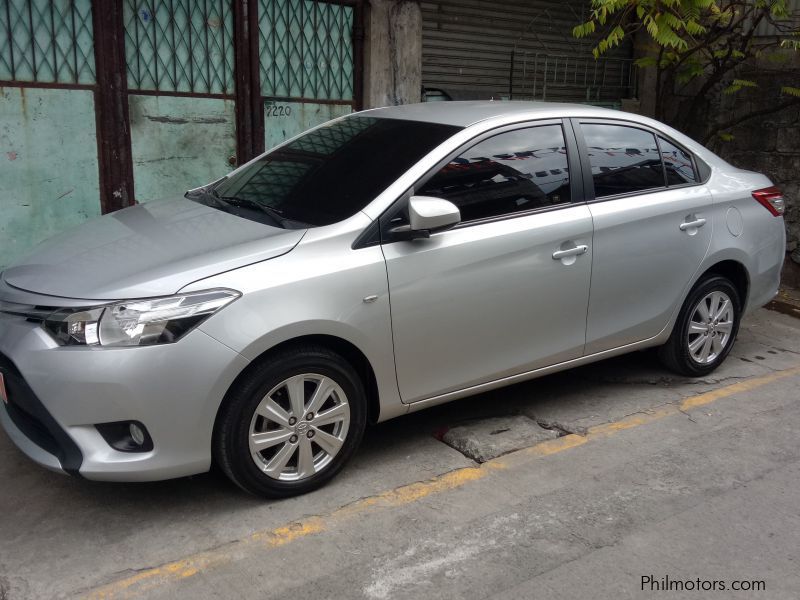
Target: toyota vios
<point>379,264</point>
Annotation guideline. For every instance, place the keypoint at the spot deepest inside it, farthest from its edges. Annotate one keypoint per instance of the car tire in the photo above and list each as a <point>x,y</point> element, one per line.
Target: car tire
<point>705,330</point>
<point>269,450</point>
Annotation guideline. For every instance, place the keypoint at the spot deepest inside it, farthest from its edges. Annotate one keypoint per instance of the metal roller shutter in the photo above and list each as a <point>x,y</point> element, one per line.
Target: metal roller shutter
<point>467,50</point>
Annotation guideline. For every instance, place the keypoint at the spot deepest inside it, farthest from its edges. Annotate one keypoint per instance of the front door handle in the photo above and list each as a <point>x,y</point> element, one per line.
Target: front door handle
<point>697,223</point>
<point>576,251</point>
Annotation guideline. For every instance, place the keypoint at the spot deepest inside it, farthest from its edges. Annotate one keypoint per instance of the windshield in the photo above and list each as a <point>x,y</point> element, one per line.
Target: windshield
<point>328,174</point>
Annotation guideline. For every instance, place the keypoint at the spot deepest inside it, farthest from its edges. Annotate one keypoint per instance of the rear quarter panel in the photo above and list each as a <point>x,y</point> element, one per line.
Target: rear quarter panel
<point>746,232</point>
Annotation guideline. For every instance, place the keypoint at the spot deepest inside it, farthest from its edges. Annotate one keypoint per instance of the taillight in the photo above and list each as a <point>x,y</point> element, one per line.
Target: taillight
<point>771,198</point>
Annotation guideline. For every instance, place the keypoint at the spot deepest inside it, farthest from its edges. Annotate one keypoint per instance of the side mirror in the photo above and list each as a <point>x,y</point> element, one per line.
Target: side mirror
<point>427,215</point>
<point>432,214</point>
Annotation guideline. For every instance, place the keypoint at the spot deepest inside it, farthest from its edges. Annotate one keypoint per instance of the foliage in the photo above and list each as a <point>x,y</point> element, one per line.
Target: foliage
<point>701,47</point>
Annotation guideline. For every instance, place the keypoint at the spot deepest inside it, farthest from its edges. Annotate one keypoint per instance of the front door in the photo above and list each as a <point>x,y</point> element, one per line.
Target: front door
<point>504,292</point>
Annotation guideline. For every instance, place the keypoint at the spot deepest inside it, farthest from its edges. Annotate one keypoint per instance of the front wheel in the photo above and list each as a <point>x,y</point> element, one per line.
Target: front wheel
<point>292,422</point>
<point>705,330</point>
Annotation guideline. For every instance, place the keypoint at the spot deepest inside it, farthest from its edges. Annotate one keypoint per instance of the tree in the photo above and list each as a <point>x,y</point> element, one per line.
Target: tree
<point>704,51</point>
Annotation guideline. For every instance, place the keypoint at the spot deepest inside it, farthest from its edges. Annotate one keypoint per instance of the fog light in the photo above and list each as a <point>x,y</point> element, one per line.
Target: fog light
<point>137,434</point>
<point>126,436</point>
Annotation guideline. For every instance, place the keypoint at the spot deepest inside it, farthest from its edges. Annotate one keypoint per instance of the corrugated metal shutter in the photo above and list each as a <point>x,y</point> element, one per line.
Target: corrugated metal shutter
<point>467,47</point>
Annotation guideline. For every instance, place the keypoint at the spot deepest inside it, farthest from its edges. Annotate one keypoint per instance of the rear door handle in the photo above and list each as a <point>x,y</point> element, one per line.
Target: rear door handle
<point>689,224</point>
<point>576,251</point>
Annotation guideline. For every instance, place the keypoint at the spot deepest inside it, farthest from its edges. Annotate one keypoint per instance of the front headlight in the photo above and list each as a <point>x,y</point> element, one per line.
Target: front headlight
<point>136,322</point>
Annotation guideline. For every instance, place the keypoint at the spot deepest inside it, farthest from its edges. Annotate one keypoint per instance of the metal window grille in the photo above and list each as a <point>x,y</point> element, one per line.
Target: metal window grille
<point>180,45</point>
<point>47,41</point>
<point>306,49</point>
<point>548,76</point>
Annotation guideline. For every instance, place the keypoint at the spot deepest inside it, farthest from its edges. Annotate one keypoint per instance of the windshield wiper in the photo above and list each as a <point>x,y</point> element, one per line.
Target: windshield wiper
<point>273,213</point>
<point>210,193</point>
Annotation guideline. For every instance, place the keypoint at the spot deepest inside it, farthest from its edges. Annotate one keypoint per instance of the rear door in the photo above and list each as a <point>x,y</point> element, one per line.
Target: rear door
<point>504,292</point>
<point>651,229</point>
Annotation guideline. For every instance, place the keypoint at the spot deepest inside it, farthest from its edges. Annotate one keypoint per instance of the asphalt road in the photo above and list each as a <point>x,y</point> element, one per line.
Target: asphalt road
<point>640,475</point>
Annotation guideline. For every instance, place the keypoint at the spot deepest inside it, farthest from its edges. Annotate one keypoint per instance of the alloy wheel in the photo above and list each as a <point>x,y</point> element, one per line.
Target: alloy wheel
<point>299,427</point>
<point>710,327</point>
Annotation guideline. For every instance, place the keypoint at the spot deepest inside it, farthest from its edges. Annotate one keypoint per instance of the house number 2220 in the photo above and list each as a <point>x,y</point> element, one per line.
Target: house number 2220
<point>276,110</point>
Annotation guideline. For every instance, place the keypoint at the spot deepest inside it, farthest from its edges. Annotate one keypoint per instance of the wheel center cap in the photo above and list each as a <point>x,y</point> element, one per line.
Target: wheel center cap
<point>301,427</point>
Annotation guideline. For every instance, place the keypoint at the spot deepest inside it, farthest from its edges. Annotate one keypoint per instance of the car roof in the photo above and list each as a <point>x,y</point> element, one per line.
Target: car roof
<point>486,114</point>
<point>466,113</point>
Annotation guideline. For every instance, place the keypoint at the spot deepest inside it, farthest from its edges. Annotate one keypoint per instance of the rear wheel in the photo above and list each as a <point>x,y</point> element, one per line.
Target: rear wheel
<point>291,423</point>
<point>706,328</point>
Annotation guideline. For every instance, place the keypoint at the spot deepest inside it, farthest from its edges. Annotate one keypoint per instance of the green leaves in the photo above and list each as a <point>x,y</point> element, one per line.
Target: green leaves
<point>698,46</point>
<point>791,44</point>
<point>737,84</point>
<point>695,38</point>
<point>583,29</point>
<point>612,39</point>
<point>689,70</point>
<point>790,91</point>
<point>728,53</point>
<point>671,23</point>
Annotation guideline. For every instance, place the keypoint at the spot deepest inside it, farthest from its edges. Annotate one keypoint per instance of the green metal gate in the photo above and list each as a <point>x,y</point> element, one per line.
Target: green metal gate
<point>108,102</point>
<point>179,57</point>
<point>187,103</point>
<point>48,134</point>
<point>306,64</point>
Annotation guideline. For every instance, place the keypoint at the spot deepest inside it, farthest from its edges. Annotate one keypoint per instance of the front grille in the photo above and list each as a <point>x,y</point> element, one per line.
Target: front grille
<point>34,314</point>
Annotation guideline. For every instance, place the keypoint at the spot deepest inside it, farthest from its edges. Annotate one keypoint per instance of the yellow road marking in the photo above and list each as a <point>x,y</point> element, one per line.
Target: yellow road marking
<point>190,566</point>
<point>147,579</point>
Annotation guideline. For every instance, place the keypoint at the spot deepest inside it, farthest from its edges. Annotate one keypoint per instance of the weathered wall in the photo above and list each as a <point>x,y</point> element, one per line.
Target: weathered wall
<point>179,143</point>
<point>283,120</point>
<point>48,165</point>
<point>393,53</point>
<point>771,145</point>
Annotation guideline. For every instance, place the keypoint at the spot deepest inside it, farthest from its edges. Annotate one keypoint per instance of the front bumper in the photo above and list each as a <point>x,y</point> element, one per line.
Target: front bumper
<point>58,395</point>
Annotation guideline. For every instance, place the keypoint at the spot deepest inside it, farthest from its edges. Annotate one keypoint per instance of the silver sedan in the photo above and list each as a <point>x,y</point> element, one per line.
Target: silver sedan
<point>377,265</point>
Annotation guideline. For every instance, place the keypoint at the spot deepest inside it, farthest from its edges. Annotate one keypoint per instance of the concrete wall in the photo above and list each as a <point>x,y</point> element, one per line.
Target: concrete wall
<point>771,145</point>
<point>393,53</point>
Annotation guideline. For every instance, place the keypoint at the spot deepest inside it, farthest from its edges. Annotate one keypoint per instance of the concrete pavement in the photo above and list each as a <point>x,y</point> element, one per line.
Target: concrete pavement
<point>653,475</point>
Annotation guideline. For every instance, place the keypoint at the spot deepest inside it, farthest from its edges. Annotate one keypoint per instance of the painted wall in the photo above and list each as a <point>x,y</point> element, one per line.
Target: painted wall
<point>283,120</point>
<point>48,165</point>
<point>179,143</point>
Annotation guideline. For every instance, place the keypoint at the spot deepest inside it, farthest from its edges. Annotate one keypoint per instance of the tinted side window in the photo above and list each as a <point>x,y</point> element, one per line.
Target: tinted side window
<point>677,162</point>
<point>511,172</point>
<point>623,159</point>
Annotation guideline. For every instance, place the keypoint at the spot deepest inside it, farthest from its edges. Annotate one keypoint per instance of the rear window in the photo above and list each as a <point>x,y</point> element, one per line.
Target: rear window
<point>331,173</point>
<point>677,163</point>
<point>623,159</point>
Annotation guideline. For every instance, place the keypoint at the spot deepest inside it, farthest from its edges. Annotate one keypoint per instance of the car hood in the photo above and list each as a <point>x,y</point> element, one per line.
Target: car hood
<point>151,249</point>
